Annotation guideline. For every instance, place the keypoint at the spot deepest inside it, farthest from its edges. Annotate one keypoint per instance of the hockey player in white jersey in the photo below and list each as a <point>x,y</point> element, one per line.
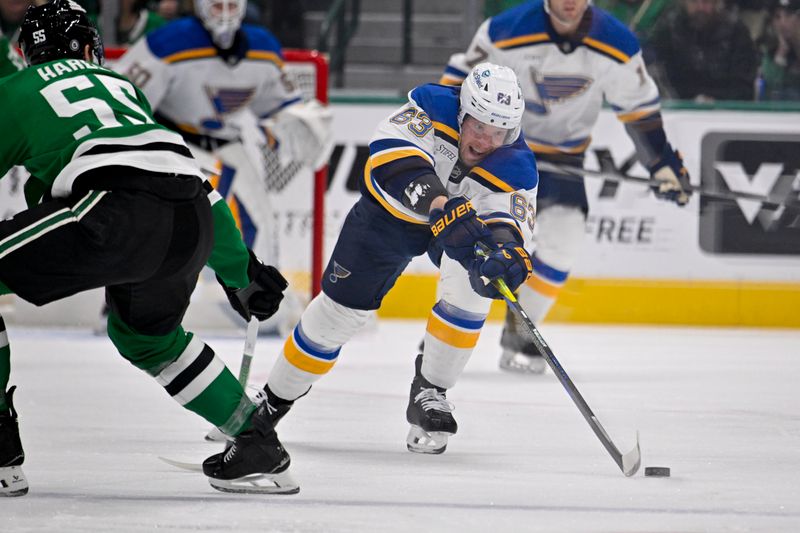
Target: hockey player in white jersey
<point>446,170</point>
<point>202,72</point>
<point>569,56</point>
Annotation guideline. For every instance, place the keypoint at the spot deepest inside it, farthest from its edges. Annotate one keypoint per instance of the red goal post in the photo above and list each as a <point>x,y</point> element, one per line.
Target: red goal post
<point>308,69</point>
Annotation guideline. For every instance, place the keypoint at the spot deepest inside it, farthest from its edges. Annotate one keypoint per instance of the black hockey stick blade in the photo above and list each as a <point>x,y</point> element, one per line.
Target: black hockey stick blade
<point>628,463</point>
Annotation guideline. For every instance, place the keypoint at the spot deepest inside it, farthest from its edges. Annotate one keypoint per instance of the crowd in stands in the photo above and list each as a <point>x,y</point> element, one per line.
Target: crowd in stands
<point>701,50</point>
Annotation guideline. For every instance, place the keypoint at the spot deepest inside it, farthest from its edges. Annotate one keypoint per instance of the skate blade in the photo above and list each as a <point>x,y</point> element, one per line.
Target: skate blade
<point>282,483</point>
<point>522,364</point>
<point>421,441</point>
<point>13,482</point>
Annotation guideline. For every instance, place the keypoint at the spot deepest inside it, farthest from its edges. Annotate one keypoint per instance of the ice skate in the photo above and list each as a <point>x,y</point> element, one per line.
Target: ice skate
<point>519,353</point>
<point>430,415</point>
<point>254,462</point>
<point>12,478</point>
<point>276,407</point>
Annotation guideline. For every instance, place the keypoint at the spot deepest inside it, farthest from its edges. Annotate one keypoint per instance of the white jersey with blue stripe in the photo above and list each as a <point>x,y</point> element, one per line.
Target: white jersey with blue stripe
<point>422,137</point>
<point>563,82</point>
<point>190,83</point>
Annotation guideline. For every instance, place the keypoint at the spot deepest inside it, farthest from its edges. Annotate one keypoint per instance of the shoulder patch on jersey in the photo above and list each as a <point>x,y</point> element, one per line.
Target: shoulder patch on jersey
<point>440,102</point>
<point>509,168</point>
<point>524,25</point>
<point>610,37</point>
<point>184,38</point>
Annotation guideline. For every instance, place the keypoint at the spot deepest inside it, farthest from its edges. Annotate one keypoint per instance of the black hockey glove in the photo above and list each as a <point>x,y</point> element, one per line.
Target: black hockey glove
<point>457,228</point>
<point>510,262</point>
<point>263,296</point>
<point>672,178</point>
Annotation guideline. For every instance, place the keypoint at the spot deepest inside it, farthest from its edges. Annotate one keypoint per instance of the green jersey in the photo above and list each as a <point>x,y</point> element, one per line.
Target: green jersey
<point>10,60</point>
<point>68,117</point>
<point>71,116</point>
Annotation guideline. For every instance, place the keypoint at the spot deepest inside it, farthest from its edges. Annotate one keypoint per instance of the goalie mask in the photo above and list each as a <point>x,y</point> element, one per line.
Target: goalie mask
<point>222,18</point>
<point>56,30</point>
<point>491,94</point>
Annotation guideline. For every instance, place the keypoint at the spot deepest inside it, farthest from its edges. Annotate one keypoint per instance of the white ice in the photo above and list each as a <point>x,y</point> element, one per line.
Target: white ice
<point>717,406</point>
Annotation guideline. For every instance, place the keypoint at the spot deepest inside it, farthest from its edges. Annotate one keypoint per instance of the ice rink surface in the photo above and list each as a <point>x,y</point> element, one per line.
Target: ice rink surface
<point>717,406</point>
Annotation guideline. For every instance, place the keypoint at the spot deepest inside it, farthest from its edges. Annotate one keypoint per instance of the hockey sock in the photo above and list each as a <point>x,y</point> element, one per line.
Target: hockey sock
<point>300,364</point>
<point>189,371</point>
<point>313,347</point>
<point>450,338</point>
<point>539,293</point>
<point>5,364</point>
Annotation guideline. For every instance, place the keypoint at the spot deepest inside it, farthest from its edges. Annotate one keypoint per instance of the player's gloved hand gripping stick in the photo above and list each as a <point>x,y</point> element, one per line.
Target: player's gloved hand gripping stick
<point>629,463</point>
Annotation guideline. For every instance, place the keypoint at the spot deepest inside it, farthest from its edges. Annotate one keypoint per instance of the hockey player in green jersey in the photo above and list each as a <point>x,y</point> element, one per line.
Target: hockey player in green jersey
<point>117,201</point>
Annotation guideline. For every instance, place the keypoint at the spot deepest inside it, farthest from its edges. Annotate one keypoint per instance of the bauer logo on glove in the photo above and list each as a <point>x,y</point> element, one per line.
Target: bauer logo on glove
<point>461,210</point>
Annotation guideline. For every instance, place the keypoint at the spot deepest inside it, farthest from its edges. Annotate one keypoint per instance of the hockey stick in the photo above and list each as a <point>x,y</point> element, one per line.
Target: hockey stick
<point>629,463</point>
<point>610,172</point>
<point>214,434</point>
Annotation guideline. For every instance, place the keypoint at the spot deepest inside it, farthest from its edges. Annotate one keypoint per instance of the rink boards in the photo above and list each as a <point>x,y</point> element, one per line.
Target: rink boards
<point>644,260</point>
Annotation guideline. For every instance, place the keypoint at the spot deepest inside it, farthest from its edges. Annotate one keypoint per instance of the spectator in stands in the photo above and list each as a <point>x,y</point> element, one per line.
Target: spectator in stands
<point>137,18</point>
<point>493,7</point>
<point>285,19</point>
<point>639,15</point>
<point>11,14</point>
<point>703,53</point>
<point>780,64</point>
<point>754,14</point>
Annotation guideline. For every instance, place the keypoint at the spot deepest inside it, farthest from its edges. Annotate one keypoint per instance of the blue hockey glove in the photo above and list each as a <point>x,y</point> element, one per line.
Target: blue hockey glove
<point>457,228</point>
<point>509,262</point>
<point>262,297</point>
<point>672,177</point>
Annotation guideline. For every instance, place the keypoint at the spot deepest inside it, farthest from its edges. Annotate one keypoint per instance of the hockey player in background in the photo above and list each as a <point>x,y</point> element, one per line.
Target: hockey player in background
<point>10,61</point>
<point>570,57</point>
<point>446,170</point>
<point>200,73</point>
<point>117,201</point>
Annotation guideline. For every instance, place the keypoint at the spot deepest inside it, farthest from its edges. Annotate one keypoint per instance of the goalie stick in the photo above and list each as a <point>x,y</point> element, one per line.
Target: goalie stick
<point>629,463</point>
<point>609,172</point>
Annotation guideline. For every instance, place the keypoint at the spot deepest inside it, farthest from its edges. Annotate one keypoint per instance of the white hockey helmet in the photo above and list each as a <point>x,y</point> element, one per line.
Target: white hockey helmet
<point>222,18</point>
<point>491,94</point>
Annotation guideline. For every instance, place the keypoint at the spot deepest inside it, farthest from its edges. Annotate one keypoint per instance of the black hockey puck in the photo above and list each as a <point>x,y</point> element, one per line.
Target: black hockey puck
<point>656,471</point>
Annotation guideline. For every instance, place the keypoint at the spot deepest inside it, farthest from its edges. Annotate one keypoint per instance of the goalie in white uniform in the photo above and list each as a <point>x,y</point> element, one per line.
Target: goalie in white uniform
<point>202,73</point>
<point>446,170</point>
<point>569,56</point>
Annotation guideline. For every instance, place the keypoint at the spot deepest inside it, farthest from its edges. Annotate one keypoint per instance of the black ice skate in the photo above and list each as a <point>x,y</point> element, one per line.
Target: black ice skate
<point>430,415</point>
<point>276,407</point>
<point>12,479</point>
<point>254,462</point>
<point>519,353</point>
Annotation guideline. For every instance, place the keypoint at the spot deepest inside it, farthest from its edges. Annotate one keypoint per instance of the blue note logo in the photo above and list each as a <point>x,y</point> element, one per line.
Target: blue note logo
<point>339,272</point>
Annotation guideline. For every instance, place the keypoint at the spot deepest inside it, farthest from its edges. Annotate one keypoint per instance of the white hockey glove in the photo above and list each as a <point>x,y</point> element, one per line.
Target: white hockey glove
<point>303,132</point>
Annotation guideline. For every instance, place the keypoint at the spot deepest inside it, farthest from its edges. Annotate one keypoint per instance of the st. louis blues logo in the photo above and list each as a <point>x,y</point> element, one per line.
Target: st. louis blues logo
<point>224,101</point>
<point>551,89</point>
<point>339,272</point>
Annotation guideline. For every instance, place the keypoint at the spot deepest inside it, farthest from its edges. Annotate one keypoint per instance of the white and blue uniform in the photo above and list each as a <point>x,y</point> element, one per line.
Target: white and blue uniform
<point>381,235</point>
<point>564,83</point>
<point>193,85</point>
